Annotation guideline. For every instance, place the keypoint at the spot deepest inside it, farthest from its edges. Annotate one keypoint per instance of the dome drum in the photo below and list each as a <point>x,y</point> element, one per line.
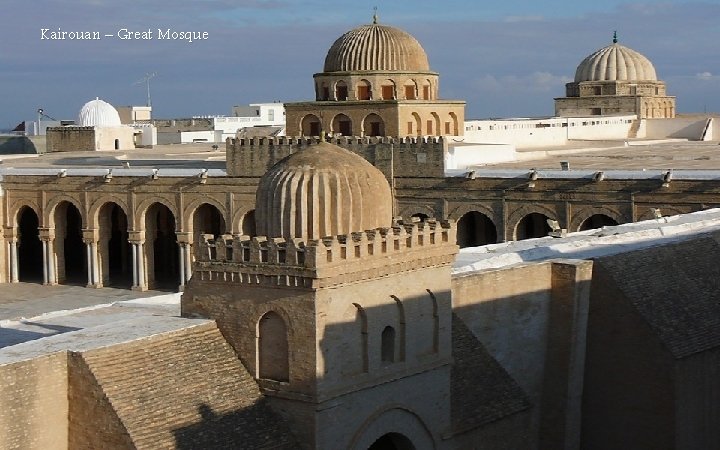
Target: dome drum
<point>376,86</point>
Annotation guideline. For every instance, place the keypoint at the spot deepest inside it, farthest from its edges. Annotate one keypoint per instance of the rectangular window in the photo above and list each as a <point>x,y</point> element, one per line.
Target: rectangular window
<point>447,127</point>
<point>341,93</point>
<point>363,92</point>
<point>410,128</point>
<point>388,93</point>
<point>410,92</point>
<point>271,115</point>
<point>326,93</point>
<point>426,92</point>
<point>429,127</point>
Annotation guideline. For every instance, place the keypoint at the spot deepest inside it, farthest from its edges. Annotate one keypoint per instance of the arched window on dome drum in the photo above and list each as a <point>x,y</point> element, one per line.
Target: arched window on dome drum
<point>341,91</point>
<point>410,90</point>
<point>427,87</point>
<point>364,91</point>
<point>388,90</point>
<point>272,348</point>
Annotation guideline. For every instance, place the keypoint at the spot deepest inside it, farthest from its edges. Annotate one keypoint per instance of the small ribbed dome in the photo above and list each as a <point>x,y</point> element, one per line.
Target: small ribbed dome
<point>615,63</point>
<point>376,48</point>
<point>322,190</point>
<point>97,113</point>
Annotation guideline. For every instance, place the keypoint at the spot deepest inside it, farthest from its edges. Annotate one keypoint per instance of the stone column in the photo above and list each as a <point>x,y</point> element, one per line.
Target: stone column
<point>137,241</point>
<point>14,278</point>
<point>184,240</point>
<point>47,236</point>
<point>90,238</point>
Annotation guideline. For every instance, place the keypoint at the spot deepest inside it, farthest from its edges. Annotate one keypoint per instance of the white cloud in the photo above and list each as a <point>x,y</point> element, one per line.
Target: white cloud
<point>704,76</point>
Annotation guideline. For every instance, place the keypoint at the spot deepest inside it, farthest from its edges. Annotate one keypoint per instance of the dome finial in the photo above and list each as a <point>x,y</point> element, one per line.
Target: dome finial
<point>615,37</point>
<point>375,16</point>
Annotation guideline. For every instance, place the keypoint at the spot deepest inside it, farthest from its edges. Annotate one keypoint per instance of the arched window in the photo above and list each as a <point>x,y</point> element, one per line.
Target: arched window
<point>310,125</point>
<point>387,346</point>
<point>364,91</point>
<point>272,347</point>
<point>248,224</point>
<point>388,90</point>
<point>342,125</point>
<point>341,91</point>
<point>373,125</point>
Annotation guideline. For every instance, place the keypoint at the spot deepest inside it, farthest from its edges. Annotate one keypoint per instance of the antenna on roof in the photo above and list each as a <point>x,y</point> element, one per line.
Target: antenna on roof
<point>146,79</point>
<point>375,15</point>
<point>615,37</point>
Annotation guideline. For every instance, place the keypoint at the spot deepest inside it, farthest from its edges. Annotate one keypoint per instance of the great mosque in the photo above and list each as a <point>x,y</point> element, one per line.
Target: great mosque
<point>325,304</point>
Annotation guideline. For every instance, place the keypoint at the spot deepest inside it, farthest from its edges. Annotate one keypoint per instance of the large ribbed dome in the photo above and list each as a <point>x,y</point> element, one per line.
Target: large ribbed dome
<point>322,190</point>
<point>97,113</point>
<point>376,48</point>
<point>615,63</point>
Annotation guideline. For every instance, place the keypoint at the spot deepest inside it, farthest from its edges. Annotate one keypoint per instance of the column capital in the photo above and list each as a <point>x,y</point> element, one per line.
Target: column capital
<point>136,237</point>
<point>10,233</point>
<point>90,235</point>
<point>46,234</point>
<point>184,237</point>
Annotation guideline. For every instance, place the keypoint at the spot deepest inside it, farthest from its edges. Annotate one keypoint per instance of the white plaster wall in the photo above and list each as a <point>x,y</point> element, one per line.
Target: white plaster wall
<point>521,132</point>
<point>148,134</point>
<point>532,133</point>
<point>599,127</point>
<point>105,138</point>
<point>679,127</point>
<point>461,157</point>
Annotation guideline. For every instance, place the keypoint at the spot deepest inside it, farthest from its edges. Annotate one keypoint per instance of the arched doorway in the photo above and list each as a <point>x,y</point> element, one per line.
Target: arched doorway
<point>310,125</point>
<point>597,221</point>
<point>392,441</point>
<point>30,252</point>
<point>373,125</point>
<point>534,225</point>
<point>475,229</point>
<point>207,219</point>
<point>342,125</point>
<point>69,246</point>
<point>115,260</point>
<point>161,248</point>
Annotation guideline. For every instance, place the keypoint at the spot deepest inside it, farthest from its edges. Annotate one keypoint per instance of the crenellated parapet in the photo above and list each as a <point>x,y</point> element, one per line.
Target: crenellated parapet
<point>328,261</point>
<point>405,157</point>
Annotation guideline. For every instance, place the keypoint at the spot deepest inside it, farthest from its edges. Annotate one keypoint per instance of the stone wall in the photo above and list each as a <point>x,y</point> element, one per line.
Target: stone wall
<point>532,320</point>
<point>33,395</point>
<point>70,139</point>
<point>411,157</point>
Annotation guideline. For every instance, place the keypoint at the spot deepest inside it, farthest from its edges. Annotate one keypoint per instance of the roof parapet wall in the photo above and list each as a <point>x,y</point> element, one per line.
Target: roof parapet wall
<point>405,157</point>
<point>328,261</point>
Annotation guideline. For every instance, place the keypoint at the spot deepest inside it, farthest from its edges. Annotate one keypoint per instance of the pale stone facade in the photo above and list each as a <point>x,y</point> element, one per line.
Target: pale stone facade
<point>616,80</point>
<point>376,82</point>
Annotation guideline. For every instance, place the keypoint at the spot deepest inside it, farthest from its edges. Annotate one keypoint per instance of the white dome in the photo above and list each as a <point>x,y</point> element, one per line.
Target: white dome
<point>615,63</point>
<point>97,113</point>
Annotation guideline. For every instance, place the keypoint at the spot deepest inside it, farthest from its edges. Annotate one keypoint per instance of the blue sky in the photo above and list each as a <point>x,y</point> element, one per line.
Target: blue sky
<point>505,58</point>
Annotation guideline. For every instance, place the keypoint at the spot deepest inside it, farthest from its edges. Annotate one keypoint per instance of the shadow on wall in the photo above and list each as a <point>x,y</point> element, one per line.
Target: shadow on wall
<point>10,337</point>
<point>14,145</point>
<point>237,429</point>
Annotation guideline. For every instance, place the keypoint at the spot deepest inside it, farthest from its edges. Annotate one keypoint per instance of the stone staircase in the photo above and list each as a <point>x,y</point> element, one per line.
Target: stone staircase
<point>634,128</point>
<point>178,390</point>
